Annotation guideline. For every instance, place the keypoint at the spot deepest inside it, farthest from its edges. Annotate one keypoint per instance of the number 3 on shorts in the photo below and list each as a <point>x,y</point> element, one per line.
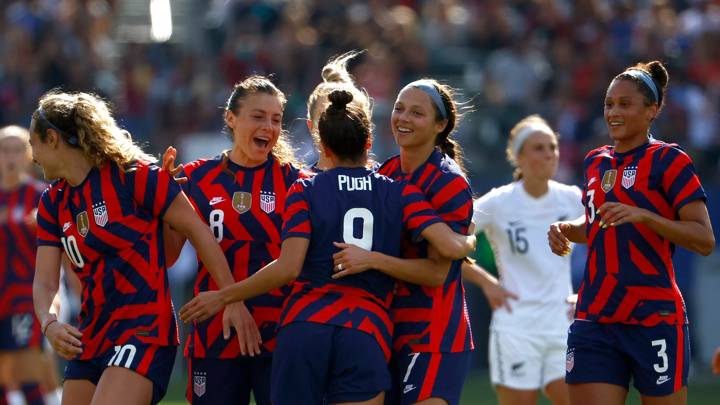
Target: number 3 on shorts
<point>663,366</point>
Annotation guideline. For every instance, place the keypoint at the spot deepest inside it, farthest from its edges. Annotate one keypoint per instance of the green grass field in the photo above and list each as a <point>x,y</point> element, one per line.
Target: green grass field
<point>702,391</point>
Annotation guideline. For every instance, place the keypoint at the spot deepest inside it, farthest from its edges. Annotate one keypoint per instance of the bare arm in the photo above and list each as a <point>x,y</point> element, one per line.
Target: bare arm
<point>183,218</point>
<point>448,243</point>
<point>496,295</point>
<point>64,338</point>
<point>277,273</point>
<point>561,234</point>
<point>692,230</point>
<point>431,271</point>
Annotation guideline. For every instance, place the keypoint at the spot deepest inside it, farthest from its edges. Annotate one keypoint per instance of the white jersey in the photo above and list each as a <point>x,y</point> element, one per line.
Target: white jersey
<point>516,224</point>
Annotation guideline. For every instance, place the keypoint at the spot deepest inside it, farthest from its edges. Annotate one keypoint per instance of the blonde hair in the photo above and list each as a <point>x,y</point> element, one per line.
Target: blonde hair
<point>512,149</point>
<point>283,152</point>
<point>84,121</point>
<point>21,133</point>
<point>336,77</point>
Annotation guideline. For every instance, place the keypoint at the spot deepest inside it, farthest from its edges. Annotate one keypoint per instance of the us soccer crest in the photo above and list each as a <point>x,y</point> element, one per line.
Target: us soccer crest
<point>267,201</point>
<point>242,201</point>
<point>83,223</point>
<point>100,213</point>
<point>608,180</point>
<point>628,178</point>
<point>199,383</point>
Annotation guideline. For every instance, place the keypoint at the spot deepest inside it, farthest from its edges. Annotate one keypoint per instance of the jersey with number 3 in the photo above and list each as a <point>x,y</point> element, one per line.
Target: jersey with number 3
<point>436,319</point>
<point>243,207</point>
<point>359,207</point>
<point>516,224</point>
<point>629,276</point>
<point>111,230</point>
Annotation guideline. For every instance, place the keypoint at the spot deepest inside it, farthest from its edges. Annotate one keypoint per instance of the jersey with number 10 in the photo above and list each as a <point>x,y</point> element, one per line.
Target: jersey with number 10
<point>434,319</point>
<point>359,207</point>
<point>111,230</point>
<point>243,207</point>
<point>629,276</point>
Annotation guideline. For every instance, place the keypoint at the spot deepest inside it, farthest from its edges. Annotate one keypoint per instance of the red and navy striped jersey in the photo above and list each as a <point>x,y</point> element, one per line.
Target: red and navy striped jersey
<point>360,207</point>
<point>111,230</point>
<point>431,319</point>
<point>243,207</point>
<point>17,247</point>
<point>629,276</point>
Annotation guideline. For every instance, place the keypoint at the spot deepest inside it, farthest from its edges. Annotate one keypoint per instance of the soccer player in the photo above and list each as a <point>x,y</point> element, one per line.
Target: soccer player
<point>642,197</point>
<point>105,211</point>
<point>335,77</point>
<point>432,339</point>
<point>334,340</point>
<point>241,195</point>
<point>21,361</point>
<point>528,337</point>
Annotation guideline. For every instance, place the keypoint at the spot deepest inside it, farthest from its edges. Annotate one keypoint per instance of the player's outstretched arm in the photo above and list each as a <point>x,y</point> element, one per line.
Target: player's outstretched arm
<point>429,272</point>
<point>181,216</point>
<point>448,243</point>
<point>64,338</point>
<point>496,295</point>
<point>276,274</point>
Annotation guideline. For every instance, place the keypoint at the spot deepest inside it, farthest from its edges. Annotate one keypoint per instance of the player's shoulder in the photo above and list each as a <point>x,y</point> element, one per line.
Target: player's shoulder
<point>598,152</point>
<point>54,189</point>
<point>190,168</point>
<point>564,190</point>
<point>389,166</point>
<point>667,151</point>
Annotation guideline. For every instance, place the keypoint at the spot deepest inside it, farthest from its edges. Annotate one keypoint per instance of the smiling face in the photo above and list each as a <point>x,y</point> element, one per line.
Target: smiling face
<point>539,155</point>
<point>44,154</point>
<point>413,119</point>
<point>626,114</point>
<point>255,128</point>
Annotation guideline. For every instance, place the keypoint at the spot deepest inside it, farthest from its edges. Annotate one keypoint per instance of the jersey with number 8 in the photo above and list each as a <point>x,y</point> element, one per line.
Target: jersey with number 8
<point>355,206</point>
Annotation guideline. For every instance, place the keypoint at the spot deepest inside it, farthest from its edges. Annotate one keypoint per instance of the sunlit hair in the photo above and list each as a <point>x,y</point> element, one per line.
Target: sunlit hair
<point>659,75</point>
<point>282,151</point>
<point>15,131</point>
<point>344,128</point>
<point>336,77</point>
<point>519,133</point>
<point>443,139</point>
<point>87,118</point>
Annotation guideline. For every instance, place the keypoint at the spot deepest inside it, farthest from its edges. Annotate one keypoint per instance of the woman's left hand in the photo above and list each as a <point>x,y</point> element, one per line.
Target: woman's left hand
<point>350,260</point>
<point>614,213</point>
<point>202,307</point>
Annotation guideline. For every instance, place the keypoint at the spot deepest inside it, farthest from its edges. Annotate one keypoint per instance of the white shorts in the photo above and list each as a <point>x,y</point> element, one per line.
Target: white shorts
<point>526,361</point>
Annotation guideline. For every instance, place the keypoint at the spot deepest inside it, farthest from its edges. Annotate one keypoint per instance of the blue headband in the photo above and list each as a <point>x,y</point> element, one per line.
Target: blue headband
<point>72,139</point>
<point>642,75</point>
<point>429,88</point>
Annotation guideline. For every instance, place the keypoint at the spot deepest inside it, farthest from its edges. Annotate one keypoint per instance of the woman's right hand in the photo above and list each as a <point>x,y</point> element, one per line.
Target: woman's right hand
<point>559,243</point>
<point>168,163</point>
<point>64,339</point>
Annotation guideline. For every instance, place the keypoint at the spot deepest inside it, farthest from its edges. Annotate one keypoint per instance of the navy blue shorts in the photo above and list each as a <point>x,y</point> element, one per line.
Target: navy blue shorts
<point>150,361</point>
<point>229,381</point>
<point>19,332</point>
<point>420,376</point>
<point>316,363</point>
<point>656,358</point>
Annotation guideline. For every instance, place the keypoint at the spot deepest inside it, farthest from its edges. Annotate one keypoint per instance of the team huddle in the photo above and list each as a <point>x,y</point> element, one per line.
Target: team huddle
<point>341,282</point>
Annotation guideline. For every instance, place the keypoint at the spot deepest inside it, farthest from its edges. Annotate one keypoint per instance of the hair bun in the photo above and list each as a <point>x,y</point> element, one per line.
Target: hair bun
<point>340,99</point>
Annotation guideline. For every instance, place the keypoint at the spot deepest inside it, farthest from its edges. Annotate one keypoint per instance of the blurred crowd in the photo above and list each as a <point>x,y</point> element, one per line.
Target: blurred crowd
<point>507,58</point>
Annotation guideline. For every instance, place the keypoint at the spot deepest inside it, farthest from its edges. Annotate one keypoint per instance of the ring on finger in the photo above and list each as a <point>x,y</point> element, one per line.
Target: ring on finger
<point>340,266</point>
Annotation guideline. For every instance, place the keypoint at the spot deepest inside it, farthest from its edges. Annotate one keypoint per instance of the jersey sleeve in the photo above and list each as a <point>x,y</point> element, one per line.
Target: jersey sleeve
<point>296,218</point>
<point>48,229</point>
<point>152,187</point>
<point>417,212</point>
<point>454,204</point>
<point>680,183</point>
<point>483,211</point>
